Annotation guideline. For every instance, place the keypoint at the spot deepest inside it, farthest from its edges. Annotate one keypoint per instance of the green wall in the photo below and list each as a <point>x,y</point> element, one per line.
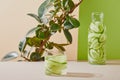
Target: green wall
<point>111,10</point>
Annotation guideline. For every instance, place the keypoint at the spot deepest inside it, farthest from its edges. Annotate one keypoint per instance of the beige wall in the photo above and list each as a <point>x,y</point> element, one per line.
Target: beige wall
<point>14,23</point>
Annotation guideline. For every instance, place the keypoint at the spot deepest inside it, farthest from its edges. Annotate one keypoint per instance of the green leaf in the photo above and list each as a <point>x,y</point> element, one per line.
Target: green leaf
<point>22,45</point>
<point>57,5</point>
<point>42,34</point>
<point>68,5</point>
<point>68,25</point>
<point>32,30</point>
<point>64,4</point>
<point>35,56</point>
<point>68,35</point>
<point>63,44</point>
<point>74,22</point>
<point>60,44</point>
<point>71,23</point>
<point>44,7</point>
<point>49,45</point>
<point>54,26</point>
<point>10,56</point>
<point>33,41</point>
<point>71,4</point>
<point>42,31</point>
<point>59,47</point>
<point>36,41</point>
<point>29,41</point>
<point>35,16</point>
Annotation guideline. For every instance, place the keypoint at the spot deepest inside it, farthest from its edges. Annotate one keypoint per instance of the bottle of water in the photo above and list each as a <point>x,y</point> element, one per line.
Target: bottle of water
<point>96,39</point>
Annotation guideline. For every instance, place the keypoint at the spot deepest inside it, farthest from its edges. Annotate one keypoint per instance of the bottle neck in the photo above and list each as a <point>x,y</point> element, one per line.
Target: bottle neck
<point>97,17</point>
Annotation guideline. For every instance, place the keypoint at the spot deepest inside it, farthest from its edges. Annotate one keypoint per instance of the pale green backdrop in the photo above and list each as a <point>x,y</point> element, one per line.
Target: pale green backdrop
<point>111,10</point>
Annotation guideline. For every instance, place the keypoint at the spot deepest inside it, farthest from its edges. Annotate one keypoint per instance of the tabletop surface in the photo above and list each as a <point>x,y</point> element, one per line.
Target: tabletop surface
<point>76,71</point>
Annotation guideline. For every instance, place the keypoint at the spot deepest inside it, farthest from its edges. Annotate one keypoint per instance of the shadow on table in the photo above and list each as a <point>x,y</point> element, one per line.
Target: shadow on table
<point>81,75</point>
<point>113,63</point>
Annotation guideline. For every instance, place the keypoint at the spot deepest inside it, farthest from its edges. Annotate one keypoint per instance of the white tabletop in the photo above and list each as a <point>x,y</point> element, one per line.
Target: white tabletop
<point>76,71</point>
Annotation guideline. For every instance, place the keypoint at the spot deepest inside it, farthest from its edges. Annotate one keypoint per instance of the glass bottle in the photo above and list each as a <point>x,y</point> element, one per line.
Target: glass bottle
<point>96,39</point>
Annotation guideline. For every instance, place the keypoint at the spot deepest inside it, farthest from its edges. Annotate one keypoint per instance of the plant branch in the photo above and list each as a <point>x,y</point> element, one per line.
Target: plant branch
<point>43,43</point>
<point>25,58</point>
<point>63,19</point>
<point>80,1</point>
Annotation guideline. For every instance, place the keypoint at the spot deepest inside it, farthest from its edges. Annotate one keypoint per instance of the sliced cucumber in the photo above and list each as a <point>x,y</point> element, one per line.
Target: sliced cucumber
<point>96,41</point>
<point>55,64</point>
